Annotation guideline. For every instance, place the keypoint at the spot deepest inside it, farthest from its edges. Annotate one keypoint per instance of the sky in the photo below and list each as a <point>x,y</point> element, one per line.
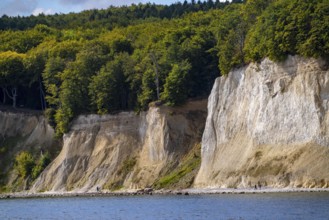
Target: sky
<point>35,7</point>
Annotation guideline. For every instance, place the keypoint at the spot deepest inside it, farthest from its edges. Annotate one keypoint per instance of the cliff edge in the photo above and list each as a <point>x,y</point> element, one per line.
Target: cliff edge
<point>268,124</point>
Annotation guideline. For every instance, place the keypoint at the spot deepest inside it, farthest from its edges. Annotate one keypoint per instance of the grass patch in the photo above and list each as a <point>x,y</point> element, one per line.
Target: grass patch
<point>114,186</point>
<point>126,167</point>
<point>189,164</point>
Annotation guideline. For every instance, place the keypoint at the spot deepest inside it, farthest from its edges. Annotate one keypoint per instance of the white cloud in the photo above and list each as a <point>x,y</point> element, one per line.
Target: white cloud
<point>90,4</point>
<point>72,2</point>
<point>38,11</point>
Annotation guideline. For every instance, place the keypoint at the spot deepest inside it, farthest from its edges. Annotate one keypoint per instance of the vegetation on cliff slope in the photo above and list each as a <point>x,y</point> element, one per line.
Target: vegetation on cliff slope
<point>21,165</point>
<point>183,175</point>
<point>102,61</point>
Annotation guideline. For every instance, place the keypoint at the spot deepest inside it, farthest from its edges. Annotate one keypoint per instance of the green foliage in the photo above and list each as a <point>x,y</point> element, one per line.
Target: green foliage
<point>63,116</point>
<point>27,166</point>
<point>109,90</point>
<point>50,116</point>
<point>11,66</point>
<point>89,69</point>
<point>315,43</point>
<point>109,18</point>
<point>43,161</point>
<point>103,61</point>
<point>289,27</point>
<point>148,93</point>
<point>175,92</point>
<point>73,82</point>
<point>234,26</point>
<point>52,79</point>
<point>231,34</point>
<point>24,164</point>
<point>183,175</point>
<point>121,45</point>
<point>127,166</point>
<point>21,41</point>
<point>12,75</point>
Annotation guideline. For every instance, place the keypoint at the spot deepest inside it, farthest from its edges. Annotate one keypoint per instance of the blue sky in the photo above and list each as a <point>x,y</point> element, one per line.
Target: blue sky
<point>28,7</point>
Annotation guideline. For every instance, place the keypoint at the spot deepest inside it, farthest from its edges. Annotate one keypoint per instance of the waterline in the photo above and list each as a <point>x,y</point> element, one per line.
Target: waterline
<point>219,206</point>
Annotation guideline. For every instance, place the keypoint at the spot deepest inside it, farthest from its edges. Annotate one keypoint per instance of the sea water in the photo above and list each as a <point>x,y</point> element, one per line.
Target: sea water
<point>221,206</point>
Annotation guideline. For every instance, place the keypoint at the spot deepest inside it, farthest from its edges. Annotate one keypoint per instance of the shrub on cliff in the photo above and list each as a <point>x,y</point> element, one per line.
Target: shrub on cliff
<point>24,164</point>
<point>43,161</point>
<point>27,166</point>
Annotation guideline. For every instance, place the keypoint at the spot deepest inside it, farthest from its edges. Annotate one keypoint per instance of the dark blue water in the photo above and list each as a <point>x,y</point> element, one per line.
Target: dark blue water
<point>227,206</point>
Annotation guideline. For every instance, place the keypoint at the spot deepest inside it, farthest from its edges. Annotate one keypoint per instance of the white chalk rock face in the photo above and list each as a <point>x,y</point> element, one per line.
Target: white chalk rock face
<point>268,123</point>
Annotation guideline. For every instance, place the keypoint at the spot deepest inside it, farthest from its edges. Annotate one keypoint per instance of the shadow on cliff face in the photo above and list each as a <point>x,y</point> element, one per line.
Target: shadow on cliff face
<point>23,131</point>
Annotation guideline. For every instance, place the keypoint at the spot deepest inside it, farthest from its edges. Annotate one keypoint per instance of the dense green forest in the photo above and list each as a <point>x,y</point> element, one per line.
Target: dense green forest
<point>104,61</point>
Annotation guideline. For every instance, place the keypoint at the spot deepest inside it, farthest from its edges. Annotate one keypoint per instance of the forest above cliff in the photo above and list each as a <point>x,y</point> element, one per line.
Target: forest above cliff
<point>103,61</point>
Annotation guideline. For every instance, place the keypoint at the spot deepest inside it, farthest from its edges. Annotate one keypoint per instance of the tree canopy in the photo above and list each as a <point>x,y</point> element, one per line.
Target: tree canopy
<point>123,58</point>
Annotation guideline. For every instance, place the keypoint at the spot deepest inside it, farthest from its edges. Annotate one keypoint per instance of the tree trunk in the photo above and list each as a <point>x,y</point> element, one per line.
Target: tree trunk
<point>14,95</point>
<point>42,96</point>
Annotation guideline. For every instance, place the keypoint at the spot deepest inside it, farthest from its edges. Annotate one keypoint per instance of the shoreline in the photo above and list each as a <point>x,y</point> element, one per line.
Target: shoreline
<point>186,192</point>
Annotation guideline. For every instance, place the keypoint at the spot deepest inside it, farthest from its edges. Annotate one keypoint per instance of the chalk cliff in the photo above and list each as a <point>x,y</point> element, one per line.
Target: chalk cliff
<point>123,150</point>
<point>268,123</point>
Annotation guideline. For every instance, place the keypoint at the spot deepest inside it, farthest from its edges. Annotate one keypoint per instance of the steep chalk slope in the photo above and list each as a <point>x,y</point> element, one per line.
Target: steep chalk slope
<point>268,123</point>
<point>124,150</point>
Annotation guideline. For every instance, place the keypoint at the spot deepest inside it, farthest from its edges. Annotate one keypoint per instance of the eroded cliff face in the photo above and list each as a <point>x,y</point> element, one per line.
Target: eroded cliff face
<point>268,123</point>
<point>124,150</point>
<point>33,127</point>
